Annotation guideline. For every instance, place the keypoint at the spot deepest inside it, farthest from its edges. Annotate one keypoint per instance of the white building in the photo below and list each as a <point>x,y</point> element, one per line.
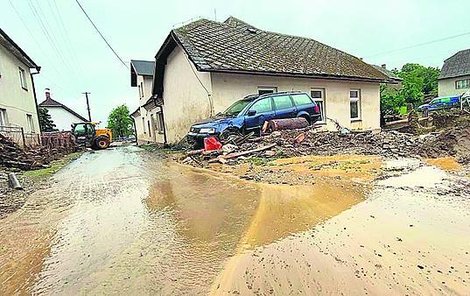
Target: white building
<point>62,116</point>
<point>455,75</point>
<point>18,111</point>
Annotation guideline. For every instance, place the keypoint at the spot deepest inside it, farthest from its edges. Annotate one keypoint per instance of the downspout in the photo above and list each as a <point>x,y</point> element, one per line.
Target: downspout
<point>38,69</point>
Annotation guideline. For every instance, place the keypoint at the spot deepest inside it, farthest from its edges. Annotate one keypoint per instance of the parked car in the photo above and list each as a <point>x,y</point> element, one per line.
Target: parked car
<point>250,113</point>
<point>440,103</point>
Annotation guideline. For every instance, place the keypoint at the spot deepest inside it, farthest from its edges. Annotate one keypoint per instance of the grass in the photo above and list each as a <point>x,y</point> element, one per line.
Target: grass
<point>53,168</point>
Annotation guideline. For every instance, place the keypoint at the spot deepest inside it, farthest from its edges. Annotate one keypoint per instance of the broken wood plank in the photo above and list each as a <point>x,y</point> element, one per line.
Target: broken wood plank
<point>243,153</point>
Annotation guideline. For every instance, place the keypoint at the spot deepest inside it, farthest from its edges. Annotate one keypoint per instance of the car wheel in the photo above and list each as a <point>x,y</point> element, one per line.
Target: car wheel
<point>306,118</point>
<point>230,133</point>
<point>102,143</point>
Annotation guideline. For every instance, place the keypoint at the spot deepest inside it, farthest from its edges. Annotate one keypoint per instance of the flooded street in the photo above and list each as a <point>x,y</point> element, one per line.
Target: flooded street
<point>123,221</point>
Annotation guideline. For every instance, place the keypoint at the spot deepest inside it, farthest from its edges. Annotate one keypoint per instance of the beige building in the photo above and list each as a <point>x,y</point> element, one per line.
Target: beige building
<point>147,122</point>
<point>18,106</point>
<point>205,66</point>
<point>455,75</point>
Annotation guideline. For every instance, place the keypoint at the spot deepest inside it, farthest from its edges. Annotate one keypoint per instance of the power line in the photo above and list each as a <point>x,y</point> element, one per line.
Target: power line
<point>419,44</point>
<point>104,39</point>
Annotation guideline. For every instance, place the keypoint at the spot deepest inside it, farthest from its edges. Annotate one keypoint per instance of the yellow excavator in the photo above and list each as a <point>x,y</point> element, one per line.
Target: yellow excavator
<point>87,134</point>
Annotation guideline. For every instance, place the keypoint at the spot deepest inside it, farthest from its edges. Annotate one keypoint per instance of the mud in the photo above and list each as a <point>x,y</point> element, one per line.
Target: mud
<point>123,221</point>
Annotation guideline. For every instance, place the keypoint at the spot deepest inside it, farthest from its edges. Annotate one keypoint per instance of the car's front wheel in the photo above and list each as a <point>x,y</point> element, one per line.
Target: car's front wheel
<point>230,133</point>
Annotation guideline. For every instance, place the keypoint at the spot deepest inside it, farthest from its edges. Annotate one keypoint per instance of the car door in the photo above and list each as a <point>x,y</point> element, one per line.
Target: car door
<point>284,107</point>
<point>258,113</point>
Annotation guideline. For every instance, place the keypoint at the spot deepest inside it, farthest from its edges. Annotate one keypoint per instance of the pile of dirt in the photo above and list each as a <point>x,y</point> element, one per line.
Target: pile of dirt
<point>389,144</point>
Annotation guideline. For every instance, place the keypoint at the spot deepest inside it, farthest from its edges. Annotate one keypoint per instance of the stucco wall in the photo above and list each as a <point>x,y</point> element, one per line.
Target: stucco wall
<point>17,101</point>
<point>62,118</point>
<point>446,87</point>
<point>228,88</point>
<point>185,99</point>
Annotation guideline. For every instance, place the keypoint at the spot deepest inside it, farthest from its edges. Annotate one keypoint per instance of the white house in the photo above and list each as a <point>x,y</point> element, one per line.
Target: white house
<point>18,106</point>
<point>205,66</point>
<point>62,116</point>
<point>455,74</point>
<point>147,121</point>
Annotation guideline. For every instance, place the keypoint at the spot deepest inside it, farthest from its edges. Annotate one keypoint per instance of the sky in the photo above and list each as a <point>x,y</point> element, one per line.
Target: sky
<point>74,59</point>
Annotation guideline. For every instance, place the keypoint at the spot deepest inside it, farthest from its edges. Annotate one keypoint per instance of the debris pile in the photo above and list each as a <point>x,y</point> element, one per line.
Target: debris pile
<point>307,141</point>
<point>54,146</point>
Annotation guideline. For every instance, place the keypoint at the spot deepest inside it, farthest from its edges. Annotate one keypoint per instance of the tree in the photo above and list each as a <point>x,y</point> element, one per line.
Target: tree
<point>45,121</point>
<point>419,82</point>
<point>120,122</point>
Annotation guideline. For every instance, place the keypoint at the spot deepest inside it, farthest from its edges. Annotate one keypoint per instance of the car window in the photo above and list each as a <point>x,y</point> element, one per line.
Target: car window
<point>282,102</point>
<point>436,101</point>
<point>263,105</point>
<point>301,99</point>
<point>80,130</point>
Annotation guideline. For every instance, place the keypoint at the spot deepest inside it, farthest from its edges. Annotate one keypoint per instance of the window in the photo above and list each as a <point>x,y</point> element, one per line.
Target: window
<point>262,90</point>
<point>148,125</point>
<point>355,104</point>
<point>143,125</point>
<point>460,84</point>
<point>3,117</point>
<point>142,89</point>
<point>282,102</point>
<point>318,96</point>
<point>140,92</point>
<point>29,119</point>
<point>23,79</point>
<point>159,123</point>
<point>263,105</point>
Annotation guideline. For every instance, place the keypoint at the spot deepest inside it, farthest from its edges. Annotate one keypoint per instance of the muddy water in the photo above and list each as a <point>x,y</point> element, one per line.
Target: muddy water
<point>122,222</point>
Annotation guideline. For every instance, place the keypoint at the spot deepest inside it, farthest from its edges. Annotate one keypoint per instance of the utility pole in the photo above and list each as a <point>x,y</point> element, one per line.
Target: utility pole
<point>88,105</point>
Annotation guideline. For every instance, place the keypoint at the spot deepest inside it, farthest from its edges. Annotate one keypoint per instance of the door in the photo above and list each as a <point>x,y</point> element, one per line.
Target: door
<point>258,113</point>
<point>284,107</point>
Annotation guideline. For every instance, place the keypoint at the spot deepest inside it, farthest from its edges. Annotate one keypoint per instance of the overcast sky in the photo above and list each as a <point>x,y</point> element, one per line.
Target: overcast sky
<point>58,37</point>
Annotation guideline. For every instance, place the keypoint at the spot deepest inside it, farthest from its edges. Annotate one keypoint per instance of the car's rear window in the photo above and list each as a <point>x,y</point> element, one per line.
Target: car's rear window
<point>282,102</point>
<point>301,99</point>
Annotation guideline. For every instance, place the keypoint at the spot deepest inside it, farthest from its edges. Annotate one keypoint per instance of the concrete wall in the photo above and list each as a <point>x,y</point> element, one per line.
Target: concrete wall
<point>17,101</point>
<point>185,99</point>
<point>446,87</point>
<point>62,118</point>
<point>228,88</point>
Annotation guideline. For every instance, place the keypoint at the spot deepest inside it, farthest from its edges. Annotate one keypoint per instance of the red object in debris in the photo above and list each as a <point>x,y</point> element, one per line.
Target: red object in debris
<point>316,109</point>
<point>211,143</point>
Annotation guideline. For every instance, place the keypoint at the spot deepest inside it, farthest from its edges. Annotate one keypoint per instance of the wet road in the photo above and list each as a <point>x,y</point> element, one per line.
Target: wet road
<point>123,222</point>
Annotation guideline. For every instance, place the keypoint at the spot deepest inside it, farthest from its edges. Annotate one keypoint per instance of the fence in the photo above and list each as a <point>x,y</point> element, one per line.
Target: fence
<point>19,136</point>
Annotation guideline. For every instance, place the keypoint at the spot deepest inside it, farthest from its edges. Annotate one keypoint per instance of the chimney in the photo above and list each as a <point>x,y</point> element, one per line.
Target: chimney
<point>48,93</point>
<point>384,66</point>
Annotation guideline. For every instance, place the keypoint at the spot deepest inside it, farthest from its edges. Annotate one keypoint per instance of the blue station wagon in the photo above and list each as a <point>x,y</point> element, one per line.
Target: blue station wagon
<point>250,113</point>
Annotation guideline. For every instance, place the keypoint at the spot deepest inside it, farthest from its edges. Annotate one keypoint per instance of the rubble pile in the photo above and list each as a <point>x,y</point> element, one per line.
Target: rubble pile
<point>307,141</point>
<point>13,156</point>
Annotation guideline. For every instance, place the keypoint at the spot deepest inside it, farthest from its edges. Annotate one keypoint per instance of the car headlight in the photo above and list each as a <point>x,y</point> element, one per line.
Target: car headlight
<point>207,130</point>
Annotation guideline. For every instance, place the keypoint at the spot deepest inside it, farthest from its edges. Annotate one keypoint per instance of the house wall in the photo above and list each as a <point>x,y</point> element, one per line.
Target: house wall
<point>446,87</point>
<point>62,118</point>
<point>17,101</point>
<point>228,88</point>
<point>142,130</point>
<point>185,99</point>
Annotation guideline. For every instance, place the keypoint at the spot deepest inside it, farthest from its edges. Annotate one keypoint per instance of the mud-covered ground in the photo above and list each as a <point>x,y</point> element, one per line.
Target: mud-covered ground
<point>125,221</point>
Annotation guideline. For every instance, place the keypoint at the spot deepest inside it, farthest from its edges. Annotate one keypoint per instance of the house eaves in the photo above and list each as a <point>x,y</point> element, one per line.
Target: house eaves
<point>17,51</point>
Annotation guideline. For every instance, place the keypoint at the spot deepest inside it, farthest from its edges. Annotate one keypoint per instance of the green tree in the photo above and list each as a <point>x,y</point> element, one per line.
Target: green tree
<point>419,82</point>
<point>120,122</point>
<point>45,121</point>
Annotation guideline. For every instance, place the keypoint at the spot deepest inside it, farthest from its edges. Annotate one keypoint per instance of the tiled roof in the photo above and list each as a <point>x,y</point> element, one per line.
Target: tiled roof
<point>145,68</point>
<point>235,46</point>
<point>391,76</point>
<point>456,65</point>
<point>49,102</point>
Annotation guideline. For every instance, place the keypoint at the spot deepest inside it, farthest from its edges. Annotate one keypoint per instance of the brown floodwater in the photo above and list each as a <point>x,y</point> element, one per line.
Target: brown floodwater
<point>125,222</point>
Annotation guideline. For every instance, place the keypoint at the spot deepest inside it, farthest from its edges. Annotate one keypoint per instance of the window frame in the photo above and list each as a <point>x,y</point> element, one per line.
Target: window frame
<point>23,82</point>
<point>267,90</point>
<point>323,103</point>
<point>4,115</point>
<point>29,119</point>
<point>356,100</point>
<point>465,84</point>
